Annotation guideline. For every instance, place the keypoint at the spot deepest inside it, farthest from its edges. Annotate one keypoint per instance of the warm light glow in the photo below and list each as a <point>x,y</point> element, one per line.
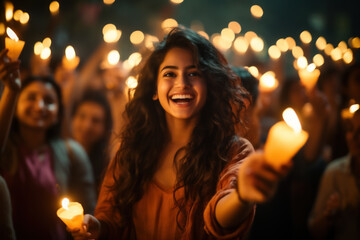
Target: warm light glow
<point>176,1</point>
<point>254,71</point>
<point>336,54</point>
<point>38,47</point>
<point>134,59</point>
<point>112,36</point>
<point>320,43</point>
<point>291,42</point>
<point>250,35</point>
<point>45,53</point>
<point>12,34</point>
<point>131,82</point>
<point>2,28</point>
<point>348,56</point>
<point>297,52</point>
<point>353,108</point>
<point>9,11</point>
<point>54,7</point>
<point>256,11</point>
<point>291,119</point>
<point>235,26</point>
<point>168,24</point>
<point>113,57</point>
<point>24,18</point>
<point>137,37</point>
<point>257,44</point>
<point>241,44</point>
<point>328,49</point>
<point>150,40</point>
<point>221,43</point>
<point>355,42</point>
<point>227,34</point>
<point>46,42</point>
<point>318,59</point>
<point>204,34</point>
<point>108,27</point>
<point>311,67</point>
<point>65,203</point>
<point>305,37</point>
<point>282,45</point>
<point>274,52</point>
<point>302,62</point>
<point>17,15</point>
<point>70,52</point>
<point>343,47</point>
<point>268,82</point>
<point>108,2</point>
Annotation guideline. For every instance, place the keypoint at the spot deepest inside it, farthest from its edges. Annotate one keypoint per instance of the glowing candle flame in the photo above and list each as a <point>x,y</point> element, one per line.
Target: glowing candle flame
<point>65,203</point>
<point>131,82</point>
<point>353,108</point>
<point>311,67</point>
<point>12,34</point>
<point>292,120</point>
<point>302,62</point>
<point>70,52</point>
<point>113,57</point>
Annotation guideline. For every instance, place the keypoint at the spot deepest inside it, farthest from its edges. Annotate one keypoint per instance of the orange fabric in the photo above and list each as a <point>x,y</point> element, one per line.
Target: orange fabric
<point>154,216</point>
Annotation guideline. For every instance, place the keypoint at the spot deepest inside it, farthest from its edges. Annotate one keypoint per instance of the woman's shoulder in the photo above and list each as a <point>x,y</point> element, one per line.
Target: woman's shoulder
<point>240,146</point>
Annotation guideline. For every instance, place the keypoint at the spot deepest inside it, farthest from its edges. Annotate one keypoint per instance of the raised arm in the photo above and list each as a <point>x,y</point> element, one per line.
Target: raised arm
<point>10,77</point>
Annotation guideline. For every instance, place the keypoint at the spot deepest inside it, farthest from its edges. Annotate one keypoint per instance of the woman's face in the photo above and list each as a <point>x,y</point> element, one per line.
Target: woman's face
<point>38,106</point>
<point>181,88</point>
<point>88,124</point>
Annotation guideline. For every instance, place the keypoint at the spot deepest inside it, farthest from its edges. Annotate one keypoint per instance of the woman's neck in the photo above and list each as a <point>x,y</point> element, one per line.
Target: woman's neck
<point>180,131</point>
<point>33,138</point>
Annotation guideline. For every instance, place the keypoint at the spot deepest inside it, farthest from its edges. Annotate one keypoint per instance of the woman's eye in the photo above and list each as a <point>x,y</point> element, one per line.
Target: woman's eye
<point>169,74</point>
<point>194,74</point>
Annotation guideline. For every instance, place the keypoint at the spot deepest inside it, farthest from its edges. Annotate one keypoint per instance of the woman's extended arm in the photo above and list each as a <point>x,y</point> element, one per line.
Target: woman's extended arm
<point>10,76</point>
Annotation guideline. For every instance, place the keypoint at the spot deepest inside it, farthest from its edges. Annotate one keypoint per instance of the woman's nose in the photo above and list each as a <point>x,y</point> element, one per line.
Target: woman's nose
<point>182,80</point>
<point>40,103</point>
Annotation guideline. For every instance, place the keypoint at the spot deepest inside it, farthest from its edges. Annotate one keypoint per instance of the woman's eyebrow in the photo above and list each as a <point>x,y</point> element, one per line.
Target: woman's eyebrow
<point>175,67</point>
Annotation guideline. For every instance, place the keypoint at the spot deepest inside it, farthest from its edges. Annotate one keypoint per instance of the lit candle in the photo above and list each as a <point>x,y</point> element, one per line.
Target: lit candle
<point>349,112</point>
<point>70,60</point>
<point>268,82</point>
<point>71,213</point>
<point>309,76</point>
<point>284,140</point>
<point>13,44</point>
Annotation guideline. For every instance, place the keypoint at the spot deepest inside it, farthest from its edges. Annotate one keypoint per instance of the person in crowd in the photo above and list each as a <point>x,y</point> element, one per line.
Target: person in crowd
<point>336,211</point>
<point>181,172</point>
<point>251,131</point>
<point>39,167</point>
<point>92,127</point>
<point>7,231</point>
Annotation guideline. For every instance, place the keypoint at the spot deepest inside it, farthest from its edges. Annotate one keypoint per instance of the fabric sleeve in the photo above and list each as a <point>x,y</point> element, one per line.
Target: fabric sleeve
<point>226,184</point>
<point>81,185</point>
<point>104,211</point>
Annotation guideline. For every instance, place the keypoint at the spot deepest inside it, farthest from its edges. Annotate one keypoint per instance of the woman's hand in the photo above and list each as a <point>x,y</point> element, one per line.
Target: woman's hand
<point>257,179</point>
<point>91,229</point>
<point>9,71</point>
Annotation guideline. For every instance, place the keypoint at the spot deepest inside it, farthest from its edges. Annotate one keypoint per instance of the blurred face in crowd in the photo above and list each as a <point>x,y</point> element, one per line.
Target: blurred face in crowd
<point>38,106</point>
<point>88,124</point>
<point>353,135</point>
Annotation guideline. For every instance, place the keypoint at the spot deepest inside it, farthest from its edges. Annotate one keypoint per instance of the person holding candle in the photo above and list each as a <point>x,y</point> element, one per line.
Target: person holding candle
<point>181,172</point>
<point>336,211</point>
<point>36,163</point>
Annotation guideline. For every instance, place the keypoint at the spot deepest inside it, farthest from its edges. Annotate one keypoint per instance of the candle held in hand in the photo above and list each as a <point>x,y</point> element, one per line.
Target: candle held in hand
<point>71,213</point>
<point>284,140</point>
<point>70,60</point>
<point>13,44</point>
<point>309,76</point>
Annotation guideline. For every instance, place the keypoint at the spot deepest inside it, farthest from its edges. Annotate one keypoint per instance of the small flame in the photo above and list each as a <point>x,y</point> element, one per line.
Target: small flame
<point>353,108</point>
<point>311,67</point>
<point>70,52</point>
<point>12,34</point>
<point>292,120</point>
<point>65,203</point>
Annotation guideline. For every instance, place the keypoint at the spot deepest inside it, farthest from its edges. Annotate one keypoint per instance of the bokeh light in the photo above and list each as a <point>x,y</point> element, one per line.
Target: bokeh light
<point>256,11</point>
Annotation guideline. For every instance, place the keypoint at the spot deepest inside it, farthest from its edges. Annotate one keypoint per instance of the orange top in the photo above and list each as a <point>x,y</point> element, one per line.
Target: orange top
<point>154,216</point>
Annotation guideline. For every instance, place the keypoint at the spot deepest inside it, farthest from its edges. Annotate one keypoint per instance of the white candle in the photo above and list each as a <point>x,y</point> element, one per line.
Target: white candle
<point>13,44</point>
<point>71,213</point>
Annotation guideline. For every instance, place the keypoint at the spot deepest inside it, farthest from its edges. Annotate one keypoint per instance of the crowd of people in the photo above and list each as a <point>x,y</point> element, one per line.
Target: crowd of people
<point>181,156</point>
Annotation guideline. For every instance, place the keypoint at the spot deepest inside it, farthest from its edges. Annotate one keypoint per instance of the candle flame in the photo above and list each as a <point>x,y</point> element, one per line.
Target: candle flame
<point>70,52</point>
<point>353,108</point>
<point>292,120</point>
<point>311,67</point>
<point>65,203</point>
<point>12,34</point>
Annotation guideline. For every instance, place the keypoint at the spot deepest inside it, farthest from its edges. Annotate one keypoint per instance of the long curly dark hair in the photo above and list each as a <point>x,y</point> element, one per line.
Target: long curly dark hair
<point>144,134</point>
